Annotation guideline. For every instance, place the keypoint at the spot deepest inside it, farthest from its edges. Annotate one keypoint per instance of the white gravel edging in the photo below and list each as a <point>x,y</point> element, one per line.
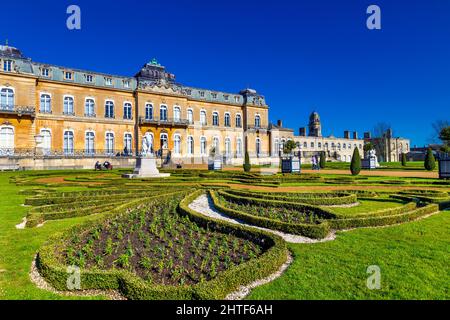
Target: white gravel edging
<point>244,291</point>
<point>204,205</point>
<point>41,283</point>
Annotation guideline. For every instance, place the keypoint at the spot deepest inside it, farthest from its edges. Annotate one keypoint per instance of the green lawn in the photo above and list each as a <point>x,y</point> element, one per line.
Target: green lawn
<point>414,261</point>
<point>413,257</point>
<point>18,247</point>
<point>367,206</point>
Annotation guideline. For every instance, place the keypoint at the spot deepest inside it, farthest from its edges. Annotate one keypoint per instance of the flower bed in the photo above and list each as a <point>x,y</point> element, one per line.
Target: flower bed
<point>148,251</point>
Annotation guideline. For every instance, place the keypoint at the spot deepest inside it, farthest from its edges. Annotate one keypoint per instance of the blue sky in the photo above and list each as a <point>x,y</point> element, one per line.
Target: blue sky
<point>302,55</point>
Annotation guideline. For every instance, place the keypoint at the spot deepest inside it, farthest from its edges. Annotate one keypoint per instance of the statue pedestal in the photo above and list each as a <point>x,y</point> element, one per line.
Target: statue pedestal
<point>146,168</point>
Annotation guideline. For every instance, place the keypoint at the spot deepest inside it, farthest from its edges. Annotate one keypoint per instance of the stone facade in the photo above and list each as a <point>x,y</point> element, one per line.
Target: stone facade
<point>336,149</point>
<point>388,147</point>
<point>86,114</point>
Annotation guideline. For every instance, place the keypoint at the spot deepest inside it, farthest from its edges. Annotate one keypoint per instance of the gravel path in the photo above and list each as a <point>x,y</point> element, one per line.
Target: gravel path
<point>244,291</point>
<point>40,282</point>
<point>204,205</point>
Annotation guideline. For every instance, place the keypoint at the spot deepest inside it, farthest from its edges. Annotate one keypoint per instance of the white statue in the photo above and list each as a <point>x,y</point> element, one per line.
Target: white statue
<point>373,156</point>
<point>146,146</point>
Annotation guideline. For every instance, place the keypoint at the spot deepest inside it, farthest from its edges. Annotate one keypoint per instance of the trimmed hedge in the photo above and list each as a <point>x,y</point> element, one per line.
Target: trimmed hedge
<point>383,220</point>
<point>35,218</point>
<point>135,288</point>
<point>316,231</point>
<point>320,199</point>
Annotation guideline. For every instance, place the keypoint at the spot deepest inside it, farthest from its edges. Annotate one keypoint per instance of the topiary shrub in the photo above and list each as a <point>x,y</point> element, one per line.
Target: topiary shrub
<point>355,165</point>
<point>247,165</point>
<point>430,162</point>
<point>323,160</point>
<point>404,159</point>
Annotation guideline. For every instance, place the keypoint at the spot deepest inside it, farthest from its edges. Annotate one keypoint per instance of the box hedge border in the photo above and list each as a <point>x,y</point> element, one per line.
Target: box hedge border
<point>315,231</point>
<point>135,288</point>
<point>337,198</point>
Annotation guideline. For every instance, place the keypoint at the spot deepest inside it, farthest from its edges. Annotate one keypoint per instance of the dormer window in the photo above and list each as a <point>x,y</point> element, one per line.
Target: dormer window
<point>108,81</point>
<point>237,99</point>
<point>226,97</point>
<point>45,72</point>
<point>7,65</point>
<point>89,78</point>
<point>202,94</point>
<point>214,95</point>
<point>126,83</point>
<point>68,75</point>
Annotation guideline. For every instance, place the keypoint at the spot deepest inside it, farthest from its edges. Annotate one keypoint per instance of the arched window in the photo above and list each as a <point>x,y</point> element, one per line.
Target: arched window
<point>258,147</point>
<point>46,141</point>
<point>6,98</point>
<point>319,145</point>
<point>326,145</point>
<point>344,146</point>
<point>46,103</point>
<point>227,147</point>
<point>164,140</point>
<point>203,117</point>
<point>127,111</point>
<point>177,144</point>
<point>128,144</point>
<point>109,143</point>
<point>190,145</point>
<point>176,114</point>
<point>109,109</point>
<point>283,141</point>
<point>89,143</point>
<point>305,144</point>
<point>163,113</point>
<point>68,142</point>
<point>6,140</point>
<point>68,105</point>
<point>89,108</point>
<point>190,116</point>
<point>238,121</point>
<point>215,119</point>
<point>148,111</point>
<point>257,121</point>
<point>312,144</point>
<point>333,145</point>
<point>276,147</point>
<point>360,146</point>
<point>227,120</point>
<point>203,146</point>
<point>239,147</point>
<point>339,145</point>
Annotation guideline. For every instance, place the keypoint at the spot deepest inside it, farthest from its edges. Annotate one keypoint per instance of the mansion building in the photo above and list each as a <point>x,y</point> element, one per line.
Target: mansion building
<point>54,112</point>
<point>336,149</point>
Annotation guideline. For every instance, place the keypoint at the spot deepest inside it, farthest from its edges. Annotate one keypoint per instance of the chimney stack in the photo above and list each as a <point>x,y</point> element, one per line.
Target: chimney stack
<point>280,123</point>
<point>346,134</point>
<point>355,135</point>
<point>302,132</point>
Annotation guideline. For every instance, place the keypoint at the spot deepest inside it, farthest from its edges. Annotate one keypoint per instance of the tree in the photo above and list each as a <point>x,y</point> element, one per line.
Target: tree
<point>430,162</point>
<point>355,165</point>
<point>247,165</point>
<point>404,159</point>
<point>368,146</point>
<point>379,132</point>
<point>444,135</point>
<point>289,146</point>
<point>437,128</point>
<point>323,159</point>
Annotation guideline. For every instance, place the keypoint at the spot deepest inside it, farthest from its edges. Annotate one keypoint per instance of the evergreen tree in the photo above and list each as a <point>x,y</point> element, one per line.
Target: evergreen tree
<point>404,159</point>
<point>355,165</point>
<point>323,159</point>
<point>247,165</point>
<point>430,162</point>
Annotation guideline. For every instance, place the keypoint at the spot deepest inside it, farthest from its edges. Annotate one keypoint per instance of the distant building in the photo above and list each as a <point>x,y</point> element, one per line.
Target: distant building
<point>388,147</point>
<point>336,149</point>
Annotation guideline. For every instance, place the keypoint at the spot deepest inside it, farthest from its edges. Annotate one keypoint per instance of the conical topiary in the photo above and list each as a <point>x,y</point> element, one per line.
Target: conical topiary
<point>404,159</point>
<point>355,165</point>
<point>247,165</point>
<point>430,162</point>
<point>323,159</point>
